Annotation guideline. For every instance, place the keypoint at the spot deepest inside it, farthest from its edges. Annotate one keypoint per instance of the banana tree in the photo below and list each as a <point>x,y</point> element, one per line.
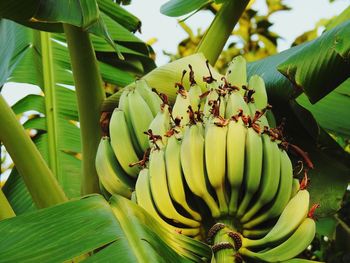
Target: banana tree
<point>92,44</point>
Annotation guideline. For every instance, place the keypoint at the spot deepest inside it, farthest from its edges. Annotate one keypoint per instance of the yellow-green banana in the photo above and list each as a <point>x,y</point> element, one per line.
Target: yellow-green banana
<point>192,162</point>
<point>295,187</point>
<point>293,214</point>
<point>151,98</point>
<point>235,151</point>
<point>175,176</point>
<point>213,97</point>
<point>260,96</point>
<point>269,178</point>
<point>160,125</point>
<point>124,105</point>
<point>140,116</point>
<point>180,106</point>
<point>256,232</point>
<point>160,191</point>
<point>234,104</point>
<point>293,246</point>
<point>252,171</point>
<point>194,93</point>
<point>282,197</point>
<point>256,83</point>
<point>144,199</point>
<point>109,171</point>
<point>237,73</point>
<point>121,143</point>
<point>215,159</point>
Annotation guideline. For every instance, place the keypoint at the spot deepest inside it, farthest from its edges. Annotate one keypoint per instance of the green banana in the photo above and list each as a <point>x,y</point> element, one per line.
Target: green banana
<point>256,83</point>
<point>295,187</point>
<point>235,151</point>
<point>271,119</point>
<point>140,116</point>
<point>175,175</point>
<point>194,93</point>
<point>124,105</point>
<point>236,73</point>
<point>213,97</point>
<point>123,100</point>
<point>121,143</point>
<point>283,194</point>
<point>215,159</point>
<point>181,105</point>
<point>256,233</point>
<point>144,199</point>
<point>109,171</point>
<point>192,162</point>
<point>253,165</point>
<point>151,98</point>
<point>293,246</point>
<point>269,179</point>
<point>293,214</point>
<point>234,104</point>
<point>160,125</point>
<point>160,192</point>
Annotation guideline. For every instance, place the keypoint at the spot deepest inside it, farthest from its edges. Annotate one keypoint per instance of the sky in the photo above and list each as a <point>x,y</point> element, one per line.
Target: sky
<point>304,15</point>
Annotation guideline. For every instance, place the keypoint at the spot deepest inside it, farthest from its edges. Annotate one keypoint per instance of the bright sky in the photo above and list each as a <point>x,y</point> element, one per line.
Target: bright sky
<point>304,15</point>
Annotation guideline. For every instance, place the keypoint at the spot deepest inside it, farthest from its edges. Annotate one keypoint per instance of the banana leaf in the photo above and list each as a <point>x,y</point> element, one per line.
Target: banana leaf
<point>119,231</point>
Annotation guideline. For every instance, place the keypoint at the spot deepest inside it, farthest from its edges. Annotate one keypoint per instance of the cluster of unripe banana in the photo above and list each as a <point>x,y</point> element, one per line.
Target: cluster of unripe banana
<point>209,167</point>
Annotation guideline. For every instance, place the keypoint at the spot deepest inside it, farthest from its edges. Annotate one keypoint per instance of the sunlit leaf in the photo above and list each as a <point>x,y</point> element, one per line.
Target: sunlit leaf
<point>182,7</point>
<point>58,233</point>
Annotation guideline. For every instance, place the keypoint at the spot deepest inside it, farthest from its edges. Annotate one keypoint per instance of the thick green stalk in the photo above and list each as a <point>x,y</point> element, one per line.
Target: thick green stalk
<point>50,105</point>
<point>222,238</point>
<point>6,210</point>
<point>220,29</point>
<point>41,183</point>
<point>90,95</point>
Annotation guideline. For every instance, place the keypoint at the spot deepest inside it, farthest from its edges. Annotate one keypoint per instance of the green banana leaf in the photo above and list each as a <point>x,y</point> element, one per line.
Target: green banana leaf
<point>49,15</point>
<point>58,233</point>
<point>125,233</point>
<point>17,194</point>
<point>329,111</point>
<point>58,109</point>
<point>321,65</point>
<point>120,15</point>
<point>13,41</point>
<point>182,7</point>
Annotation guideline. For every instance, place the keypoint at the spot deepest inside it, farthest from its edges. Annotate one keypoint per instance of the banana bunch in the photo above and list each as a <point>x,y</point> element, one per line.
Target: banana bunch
<point>118,157</point>
<point>209,166</point>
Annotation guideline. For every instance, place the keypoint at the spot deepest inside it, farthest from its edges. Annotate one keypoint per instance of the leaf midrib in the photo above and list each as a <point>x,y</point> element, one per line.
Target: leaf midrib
<point>50,100</point>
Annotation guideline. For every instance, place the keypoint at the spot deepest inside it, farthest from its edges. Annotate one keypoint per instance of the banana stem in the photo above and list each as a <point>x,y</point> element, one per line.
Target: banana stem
<point>223,247</point>
<point>49,85</point>
<point>41,183</point>
<point>220,29</point>
<point>6,210</point>
<point>90,95</point>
